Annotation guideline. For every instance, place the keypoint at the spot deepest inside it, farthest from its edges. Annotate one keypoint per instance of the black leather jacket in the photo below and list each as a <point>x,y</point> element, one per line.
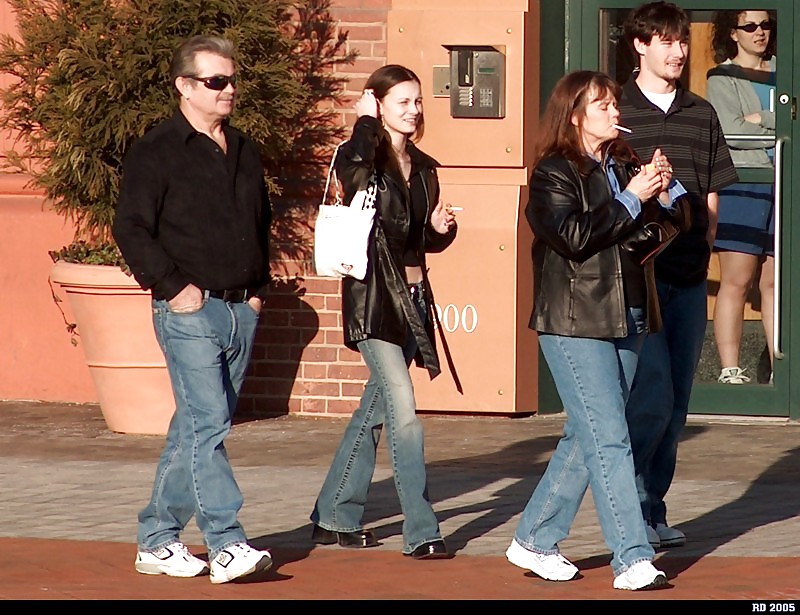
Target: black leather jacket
<point>380,307</point>
<point>578,228</point>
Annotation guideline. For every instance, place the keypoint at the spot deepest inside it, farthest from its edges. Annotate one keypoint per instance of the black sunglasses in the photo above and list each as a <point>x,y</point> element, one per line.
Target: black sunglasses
<point>751,27</point>
<point>216,83</point>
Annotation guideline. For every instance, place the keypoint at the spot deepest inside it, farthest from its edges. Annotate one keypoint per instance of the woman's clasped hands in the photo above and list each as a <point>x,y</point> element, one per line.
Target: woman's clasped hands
<point>653,178</point>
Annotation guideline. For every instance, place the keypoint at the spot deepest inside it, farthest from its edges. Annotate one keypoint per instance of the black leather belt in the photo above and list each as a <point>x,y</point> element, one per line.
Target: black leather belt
<point>232,296</point>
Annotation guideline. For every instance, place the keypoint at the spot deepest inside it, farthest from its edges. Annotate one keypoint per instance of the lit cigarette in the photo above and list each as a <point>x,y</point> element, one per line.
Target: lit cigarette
<point>622,128</point>
<point>456,209</point>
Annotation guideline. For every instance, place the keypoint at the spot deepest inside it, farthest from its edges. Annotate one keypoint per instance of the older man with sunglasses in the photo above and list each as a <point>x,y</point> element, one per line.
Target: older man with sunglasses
<point>192,222</point>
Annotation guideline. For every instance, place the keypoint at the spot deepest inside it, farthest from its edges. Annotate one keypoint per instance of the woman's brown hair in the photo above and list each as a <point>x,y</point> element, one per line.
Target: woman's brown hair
<point>385,78</point>
<point>725,47</point>
<point>380,82</point>
<point>558,136</point>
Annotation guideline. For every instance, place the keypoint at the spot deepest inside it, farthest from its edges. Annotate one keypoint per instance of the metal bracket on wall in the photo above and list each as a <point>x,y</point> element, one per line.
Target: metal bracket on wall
<point>441,82</point>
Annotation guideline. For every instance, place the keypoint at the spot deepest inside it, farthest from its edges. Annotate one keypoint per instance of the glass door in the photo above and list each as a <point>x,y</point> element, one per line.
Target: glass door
<point>594,40</point>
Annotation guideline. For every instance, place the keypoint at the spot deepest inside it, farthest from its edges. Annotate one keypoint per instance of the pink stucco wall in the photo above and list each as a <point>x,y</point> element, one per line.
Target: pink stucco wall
<point>37,359</point>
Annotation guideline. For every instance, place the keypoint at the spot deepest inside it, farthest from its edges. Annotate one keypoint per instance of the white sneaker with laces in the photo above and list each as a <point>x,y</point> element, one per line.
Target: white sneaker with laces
<point>237,561</point>
<point>669,536</point>
<point>553,567</point>
<point>173,560</point>
<point>642,575</point>
<point>733,375</point>
<point>652,536</point>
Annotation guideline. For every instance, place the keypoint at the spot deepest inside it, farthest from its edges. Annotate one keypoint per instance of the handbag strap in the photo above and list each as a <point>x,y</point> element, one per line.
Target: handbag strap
<point>332,172</point>
<point>372,185</point>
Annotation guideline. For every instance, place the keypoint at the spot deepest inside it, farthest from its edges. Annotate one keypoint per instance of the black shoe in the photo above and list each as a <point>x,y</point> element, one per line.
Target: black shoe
<point>430,550</point>
<point>352,540</point>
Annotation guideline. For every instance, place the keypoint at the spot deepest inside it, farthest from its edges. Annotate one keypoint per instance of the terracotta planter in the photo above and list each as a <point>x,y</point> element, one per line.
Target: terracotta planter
<point>127,366</point>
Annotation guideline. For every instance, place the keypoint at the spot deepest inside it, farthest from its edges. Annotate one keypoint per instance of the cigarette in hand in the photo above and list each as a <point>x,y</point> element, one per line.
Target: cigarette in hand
<point>622,128</point>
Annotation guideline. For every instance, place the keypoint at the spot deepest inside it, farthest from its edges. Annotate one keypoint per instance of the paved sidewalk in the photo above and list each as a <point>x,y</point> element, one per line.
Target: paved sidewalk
<point>71,491</point>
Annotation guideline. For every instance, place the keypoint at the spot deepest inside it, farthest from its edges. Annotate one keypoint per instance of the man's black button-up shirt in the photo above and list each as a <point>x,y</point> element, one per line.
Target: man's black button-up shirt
<point>190,213</point>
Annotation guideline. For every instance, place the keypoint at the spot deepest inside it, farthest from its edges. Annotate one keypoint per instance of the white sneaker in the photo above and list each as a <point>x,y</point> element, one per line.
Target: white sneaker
<point>553,567</point>
<point>669,536</point>
<point>652,536</point>
<point>642,575</point>
<point>173,560</point>
<point>733,375</point>
<point>237,561</point>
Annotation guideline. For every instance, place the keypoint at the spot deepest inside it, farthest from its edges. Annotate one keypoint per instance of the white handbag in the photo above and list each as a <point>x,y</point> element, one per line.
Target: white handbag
<point>342,232</point>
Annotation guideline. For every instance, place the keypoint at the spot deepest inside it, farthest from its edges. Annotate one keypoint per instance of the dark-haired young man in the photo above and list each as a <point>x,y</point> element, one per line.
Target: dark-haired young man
<point>661,114</point>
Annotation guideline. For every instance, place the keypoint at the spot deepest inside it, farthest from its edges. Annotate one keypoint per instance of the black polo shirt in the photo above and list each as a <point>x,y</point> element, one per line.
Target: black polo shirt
<point>690,135</point>
<point>190,213</point>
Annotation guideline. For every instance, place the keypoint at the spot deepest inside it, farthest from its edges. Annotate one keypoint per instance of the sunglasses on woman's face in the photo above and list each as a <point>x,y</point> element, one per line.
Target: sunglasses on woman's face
<point>216,83</point>
<point>751,27</point>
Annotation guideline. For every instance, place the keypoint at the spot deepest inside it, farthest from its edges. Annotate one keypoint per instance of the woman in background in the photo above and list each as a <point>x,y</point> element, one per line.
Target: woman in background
<point>742,90</point>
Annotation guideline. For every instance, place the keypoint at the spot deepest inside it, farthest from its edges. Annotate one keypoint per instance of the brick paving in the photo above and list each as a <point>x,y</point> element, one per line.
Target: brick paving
<point>71,491</point>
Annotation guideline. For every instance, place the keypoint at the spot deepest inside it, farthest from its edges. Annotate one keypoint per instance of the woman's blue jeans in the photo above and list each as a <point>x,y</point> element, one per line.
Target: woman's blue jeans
<point>207,354</point>
<point>388,399</point>
<point>593,378</point>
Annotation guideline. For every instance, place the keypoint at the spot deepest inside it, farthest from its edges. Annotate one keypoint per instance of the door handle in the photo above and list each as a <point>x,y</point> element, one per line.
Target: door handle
<point>776,303</point>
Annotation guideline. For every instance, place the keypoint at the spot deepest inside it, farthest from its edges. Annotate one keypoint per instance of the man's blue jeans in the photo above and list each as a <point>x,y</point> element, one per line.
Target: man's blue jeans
<point>388,399</point>
<point>207,353</point>
<point>593,378</point>
<point>659,401</point>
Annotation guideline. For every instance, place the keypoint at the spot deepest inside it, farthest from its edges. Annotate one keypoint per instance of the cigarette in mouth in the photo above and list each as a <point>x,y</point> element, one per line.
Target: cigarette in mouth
<point>622,128</point>
<point>456,209</point>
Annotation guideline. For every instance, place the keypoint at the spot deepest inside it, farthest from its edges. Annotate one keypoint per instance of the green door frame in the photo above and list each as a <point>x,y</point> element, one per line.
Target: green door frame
<point>573,27</point>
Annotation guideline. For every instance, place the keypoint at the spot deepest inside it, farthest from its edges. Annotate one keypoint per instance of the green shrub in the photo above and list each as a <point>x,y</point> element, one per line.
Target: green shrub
<point>90,76</point>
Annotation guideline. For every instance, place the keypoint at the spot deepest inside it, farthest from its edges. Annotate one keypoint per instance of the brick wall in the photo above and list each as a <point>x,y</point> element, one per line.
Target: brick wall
<point>299,364</point>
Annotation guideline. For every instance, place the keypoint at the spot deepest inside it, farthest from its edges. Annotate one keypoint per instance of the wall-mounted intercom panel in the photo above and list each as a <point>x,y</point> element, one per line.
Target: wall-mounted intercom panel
<point>477,81</point>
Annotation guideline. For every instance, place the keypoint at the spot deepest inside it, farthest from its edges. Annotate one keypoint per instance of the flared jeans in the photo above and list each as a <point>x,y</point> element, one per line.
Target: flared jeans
<point>388,401</point>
